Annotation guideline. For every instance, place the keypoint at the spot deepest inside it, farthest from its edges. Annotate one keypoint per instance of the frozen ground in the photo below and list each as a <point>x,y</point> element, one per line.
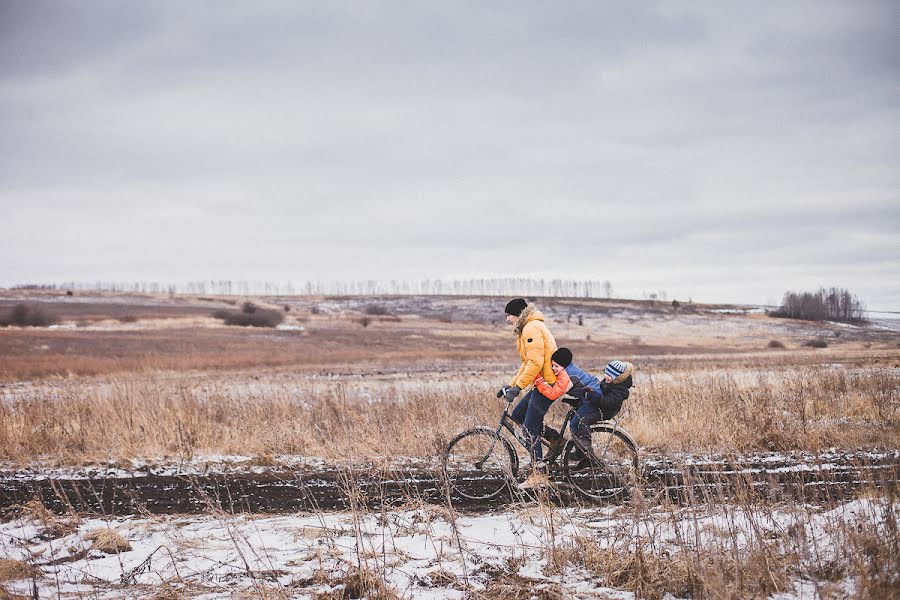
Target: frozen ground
<point>235,464</point>
<point>421,551</point>
<point>292,483</point>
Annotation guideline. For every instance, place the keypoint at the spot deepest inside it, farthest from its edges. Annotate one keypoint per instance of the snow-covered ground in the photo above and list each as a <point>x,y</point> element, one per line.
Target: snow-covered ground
<point>426,551</point>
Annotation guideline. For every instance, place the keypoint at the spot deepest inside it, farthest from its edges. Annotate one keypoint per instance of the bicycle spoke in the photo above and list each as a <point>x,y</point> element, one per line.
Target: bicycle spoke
<point>607,470</point>
<point>479,464</point>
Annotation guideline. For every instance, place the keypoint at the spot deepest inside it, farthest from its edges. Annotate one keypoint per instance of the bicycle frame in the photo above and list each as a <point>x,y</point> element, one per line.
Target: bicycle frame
<point>507,423</point>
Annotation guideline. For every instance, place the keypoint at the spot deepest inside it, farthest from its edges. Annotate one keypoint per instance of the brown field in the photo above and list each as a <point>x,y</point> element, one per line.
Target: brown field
<point>156,378</point>
<point>170,380</point>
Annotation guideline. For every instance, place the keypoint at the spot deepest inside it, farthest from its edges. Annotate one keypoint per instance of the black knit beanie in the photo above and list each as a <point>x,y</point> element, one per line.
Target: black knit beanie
<point>515,306</point>
<point>562,357</point>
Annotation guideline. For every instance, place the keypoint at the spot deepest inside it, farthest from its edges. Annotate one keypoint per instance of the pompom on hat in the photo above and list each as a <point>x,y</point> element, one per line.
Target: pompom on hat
<point>515,306</point>
<point>616,368</point>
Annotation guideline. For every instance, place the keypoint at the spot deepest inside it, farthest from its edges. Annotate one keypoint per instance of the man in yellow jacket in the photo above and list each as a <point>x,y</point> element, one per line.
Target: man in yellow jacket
<point>536,345</point>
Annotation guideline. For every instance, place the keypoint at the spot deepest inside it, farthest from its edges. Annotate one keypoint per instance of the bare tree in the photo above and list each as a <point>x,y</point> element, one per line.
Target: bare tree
<point>834,304</point>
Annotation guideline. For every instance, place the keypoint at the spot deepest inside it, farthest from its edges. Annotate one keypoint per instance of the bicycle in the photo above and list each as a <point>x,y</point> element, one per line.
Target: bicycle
<point>481,462</point>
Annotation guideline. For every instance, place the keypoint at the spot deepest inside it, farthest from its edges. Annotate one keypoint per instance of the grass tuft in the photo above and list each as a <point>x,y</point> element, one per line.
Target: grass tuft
<point>13,570</point>
<point>108,541</point>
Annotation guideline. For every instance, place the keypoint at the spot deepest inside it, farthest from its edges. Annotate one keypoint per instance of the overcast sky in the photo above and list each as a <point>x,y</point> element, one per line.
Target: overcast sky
<point>724,151</point>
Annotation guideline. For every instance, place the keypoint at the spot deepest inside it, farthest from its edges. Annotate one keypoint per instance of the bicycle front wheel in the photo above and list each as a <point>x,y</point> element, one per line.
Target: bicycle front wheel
<point>479,464</point>
<point>610,471</point>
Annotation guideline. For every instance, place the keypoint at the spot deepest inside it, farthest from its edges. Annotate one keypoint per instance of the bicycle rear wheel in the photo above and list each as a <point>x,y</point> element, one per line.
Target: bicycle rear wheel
<point>479,464</point>
<point>611,472</point>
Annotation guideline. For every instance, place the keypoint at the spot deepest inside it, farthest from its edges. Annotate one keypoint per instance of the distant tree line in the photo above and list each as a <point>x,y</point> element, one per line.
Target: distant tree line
<point>834,304</point>
<point>558,288</point>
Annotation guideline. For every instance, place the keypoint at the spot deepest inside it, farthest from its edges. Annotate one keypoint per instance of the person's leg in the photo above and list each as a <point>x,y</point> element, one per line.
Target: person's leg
<point>586,415</point>
<point>610,413</point>
<point>519,410</point>
<point>538,405</point>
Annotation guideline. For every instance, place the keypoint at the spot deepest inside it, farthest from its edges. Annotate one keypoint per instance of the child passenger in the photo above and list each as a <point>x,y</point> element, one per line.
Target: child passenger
<point>600,400</point>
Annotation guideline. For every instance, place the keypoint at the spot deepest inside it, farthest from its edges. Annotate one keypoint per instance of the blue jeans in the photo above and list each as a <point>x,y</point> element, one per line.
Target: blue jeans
<point>530,412</point>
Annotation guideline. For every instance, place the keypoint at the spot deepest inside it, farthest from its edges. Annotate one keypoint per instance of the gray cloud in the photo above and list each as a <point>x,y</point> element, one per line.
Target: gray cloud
<point>661,146</point>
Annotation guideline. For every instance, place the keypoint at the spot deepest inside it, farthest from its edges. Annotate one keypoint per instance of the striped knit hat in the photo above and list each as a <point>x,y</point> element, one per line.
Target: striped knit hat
<point>615,368</point>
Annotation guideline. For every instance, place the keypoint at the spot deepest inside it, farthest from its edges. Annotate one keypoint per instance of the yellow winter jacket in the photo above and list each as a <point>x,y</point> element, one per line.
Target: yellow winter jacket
<point>536,345</point>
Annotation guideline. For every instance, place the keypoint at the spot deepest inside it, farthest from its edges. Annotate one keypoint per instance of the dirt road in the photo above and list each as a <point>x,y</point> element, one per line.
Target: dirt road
<point>285,491</point>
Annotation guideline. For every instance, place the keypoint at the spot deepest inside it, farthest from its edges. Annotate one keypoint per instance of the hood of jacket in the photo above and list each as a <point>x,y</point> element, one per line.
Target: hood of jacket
<point>530,313</point>
<point>626,375</point>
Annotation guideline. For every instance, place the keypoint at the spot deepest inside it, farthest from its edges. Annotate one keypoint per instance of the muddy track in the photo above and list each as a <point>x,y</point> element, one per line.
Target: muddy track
<point>291,491</point>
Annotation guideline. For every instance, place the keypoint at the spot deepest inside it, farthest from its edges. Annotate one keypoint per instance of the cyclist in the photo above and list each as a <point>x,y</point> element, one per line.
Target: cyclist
<point>599,400</point>
<point>536,345</point>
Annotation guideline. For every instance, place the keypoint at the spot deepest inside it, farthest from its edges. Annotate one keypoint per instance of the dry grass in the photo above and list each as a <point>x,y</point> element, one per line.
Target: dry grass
<point>13,570</point>
<point>415,382</point>
<point>107,541</point>
<point>746,409</point>
<point>707,572</point>
<point>155,415</point>
<point>359,583</point>
<point>170,393</point>
<point>51,526</point>
<point>744,556</point>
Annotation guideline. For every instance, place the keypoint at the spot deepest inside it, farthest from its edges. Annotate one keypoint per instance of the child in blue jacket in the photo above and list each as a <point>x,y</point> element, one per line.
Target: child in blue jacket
<point>600,399</point>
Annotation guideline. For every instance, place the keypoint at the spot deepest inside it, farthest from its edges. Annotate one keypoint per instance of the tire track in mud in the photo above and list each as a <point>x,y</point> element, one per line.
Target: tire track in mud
<point>286,491</point>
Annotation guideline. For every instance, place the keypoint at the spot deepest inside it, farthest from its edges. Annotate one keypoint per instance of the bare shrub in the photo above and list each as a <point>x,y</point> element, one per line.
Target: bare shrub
<point>834,304</point>
<point>376,309</point>
<point>314,310</point>
<point>250,315</point>
<point>365,321</point>
<point>128,319</point>
<point>816,343</point>
<point>775,344</point>
<point>27,315</point>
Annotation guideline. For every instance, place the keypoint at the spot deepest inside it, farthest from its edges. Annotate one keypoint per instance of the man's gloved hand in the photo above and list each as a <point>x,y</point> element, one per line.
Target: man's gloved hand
<point>511,392</point>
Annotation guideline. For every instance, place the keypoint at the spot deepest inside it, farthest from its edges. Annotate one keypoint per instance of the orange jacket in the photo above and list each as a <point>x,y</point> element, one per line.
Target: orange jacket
<point>552,392</point>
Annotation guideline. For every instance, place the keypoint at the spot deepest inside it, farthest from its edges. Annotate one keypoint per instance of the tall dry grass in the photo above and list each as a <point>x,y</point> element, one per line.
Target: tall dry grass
<point>147,416</point>
<point>807,408</point>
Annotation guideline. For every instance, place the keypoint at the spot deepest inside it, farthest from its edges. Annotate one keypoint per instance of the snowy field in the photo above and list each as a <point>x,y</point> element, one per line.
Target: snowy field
<point>533,550</point>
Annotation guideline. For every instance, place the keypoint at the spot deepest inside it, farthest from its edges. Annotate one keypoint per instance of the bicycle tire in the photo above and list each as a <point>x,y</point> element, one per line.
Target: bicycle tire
<point>614,476</point>
<point>479,464</point>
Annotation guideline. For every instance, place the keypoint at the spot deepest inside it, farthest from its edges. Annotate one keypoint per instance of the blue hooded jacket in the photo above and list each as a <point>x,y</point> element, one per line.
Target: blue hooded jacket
<point>585,378</point>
